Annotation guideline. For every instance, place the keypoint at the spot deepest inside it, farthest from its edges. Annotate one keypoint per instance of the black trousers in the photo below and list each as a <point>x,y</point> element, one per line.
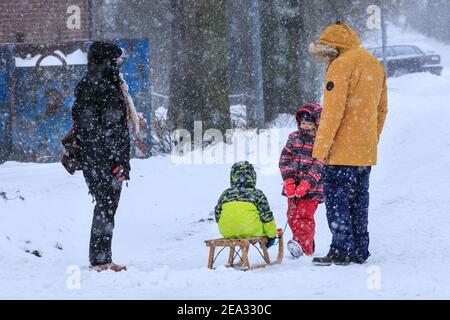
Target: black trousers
<point>106,196</point>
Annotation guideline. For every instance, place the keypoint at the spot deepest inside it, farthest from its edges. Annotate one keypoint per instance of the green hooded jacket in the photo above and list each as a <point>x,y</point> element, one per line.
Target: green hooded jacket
<point>243,211</point>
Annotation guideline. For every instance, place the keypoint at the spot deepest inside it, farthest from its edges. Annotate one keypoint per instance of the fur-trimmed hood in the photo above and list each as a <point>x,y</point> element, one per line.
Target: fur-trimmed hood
<point>334,40</point>
<point>322,53</point>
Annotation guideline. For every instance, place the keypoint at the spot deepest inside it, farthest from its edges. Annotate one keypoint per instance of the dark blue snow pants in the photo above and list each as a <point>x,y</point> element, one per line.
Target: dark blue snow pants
<point>347,202</point>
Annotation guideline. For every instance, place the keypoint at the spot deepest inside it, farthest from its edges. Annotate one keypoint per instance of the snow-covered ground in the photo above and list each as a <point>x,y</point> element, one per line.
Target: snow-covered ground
<point>163,219</point>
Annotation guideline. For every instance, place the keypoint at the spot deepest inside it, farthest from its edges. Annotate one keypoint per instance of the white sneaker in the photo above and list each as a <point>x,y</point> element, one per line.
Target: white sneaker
<point>294,248</point>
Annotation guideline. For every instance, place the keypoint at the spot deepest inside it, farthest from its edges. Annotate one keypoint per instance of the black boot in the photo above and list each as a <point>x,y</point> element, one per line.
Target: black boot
<point>328,260</point>
<point>342,262</point>
<point>325,261</point>
<point>360,260</point>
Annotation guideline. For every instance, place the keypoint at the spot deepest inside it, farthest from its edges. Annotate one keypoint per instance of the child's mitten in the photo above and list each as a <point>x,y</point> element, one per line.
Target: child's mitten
<point>289,187</point>
<point>302,189</point>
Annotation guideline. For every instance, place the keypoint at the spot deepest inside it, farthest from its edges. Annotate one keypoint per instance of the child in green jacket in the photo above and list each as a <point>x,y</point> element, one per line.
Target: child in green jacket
<point>243,211</point>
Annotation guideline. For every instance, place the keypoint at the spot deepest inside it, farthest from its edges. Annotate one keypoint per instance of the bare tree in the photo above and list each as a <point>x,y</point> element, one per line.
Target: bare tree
<point>199,85</point>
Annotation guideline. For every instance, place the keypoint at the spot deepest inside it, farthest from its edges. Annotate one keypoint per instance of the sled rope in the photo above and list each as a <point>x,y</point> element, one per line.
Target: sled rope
<point>262,256</point>
<point>234,257</point>
<point>284,230</point>
<point>218,253</point>
<point>237,254</point>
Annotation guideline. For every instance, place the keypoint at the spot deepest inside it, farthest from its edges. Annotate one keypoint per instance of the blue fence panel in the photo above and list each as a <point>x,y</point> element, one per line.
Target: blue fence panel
<point>43,102</point>
<point>137,74</point>
<point>5,110</point>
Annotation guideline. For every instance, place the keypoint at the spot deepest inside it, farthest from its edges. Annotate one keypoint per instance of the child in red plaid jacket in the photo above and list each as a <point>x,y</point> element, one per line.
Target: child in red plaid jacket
<point>302,180</point>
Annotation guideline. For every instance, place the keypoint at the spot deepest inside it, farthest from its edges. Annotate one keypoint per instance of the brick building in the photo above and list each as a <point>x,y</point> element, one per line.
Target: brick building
<point>42,21</point>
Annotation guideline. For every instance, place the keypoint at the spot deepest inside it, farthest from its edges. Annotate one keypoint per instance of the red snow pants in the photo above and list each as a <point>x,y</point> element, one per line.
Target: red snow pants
<point>301,220</point>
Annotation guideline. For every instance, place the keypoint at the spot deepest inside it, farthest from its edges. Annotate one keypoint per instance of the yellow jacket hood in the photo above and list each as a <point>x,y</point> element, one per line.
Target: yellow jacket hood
<point>340,36</point>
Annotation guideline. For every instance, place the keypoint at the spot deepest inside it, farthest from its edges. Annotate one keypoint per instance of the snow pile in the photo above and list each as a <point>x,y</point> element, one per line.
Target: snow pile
<point>166,214</point>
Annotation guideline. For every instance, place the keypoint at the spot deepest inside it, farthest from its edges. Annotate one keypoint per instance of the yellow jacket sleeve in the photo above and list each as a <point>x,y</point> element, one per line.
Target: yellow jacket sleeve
<point>270,229</point>
<point>335,100</point>
<point>382,109</point>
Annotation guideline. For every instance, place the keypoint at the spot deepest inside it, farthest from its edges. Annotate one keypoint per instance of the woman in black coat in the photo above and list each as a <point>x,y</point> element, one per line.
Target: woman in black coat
<point>101,121</point>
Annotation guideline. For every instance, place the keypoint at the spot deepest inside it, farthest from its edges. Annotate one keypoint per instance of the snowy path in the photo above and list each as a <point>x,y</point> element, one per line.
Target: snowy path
<point>159,234</point>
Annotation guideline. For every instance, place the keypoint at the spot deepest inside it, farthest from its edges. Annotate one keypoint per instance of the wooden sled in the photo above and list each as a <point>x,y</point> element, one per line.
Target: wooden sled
<point>244,246</point>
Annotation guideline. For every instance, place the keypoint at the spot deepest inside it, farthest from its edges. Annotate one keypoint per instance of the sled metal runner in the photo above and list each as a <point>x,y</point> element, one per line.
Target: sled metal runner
<point>244,246</point>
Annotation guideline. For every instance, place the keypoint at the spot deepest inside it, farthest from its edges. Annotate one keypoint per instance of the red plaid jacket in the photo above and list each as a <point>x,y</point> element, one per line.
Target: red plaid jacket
<point>296,162</point>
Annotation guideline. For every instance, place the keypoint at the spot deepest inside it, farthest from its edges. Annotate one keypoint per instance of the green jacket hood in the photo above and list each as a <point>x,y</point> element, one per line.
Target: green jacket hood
<point>243,174</point>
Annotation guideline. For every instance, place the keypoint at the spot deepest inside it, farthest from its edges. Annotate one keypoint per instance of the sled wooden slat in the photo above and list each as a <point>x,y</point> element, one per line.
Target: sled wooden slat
<point>244,246</point>
<point>234,242</point>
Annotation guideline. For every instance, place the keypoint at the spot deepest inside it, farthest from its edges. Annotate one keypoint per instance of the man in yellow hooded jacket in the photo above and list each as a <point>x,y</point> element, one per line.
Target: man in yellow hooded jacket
<point>354,112</point>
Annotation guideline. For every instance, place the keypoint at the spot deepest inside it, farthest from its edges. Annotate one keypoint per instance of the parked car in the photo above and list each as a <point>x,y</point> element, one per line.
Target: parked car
<point>402,59</point>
